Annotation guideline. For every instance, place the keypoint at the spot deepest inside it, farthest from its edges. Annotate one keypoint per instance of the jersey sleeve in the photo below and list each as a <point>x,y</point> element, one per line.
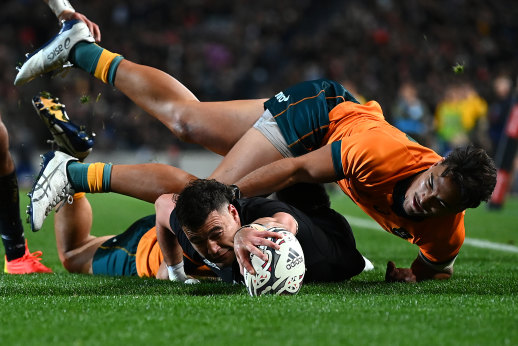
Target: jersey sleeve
<point>440,244</point>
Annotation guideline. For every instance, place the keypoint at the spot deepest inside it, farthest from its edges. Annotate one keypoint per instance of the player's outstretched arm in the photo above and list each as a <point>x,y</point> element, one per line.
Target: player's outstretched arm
<point>64,11</point>
<point>419,271</point>
<point>314,167</point>
<point>169,245</point>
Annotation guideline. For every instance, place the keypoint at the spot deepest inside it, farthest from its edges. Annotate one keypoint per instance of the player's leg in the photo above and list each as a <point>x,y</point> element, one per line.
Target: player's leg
<point>252,151</point>
<point>214,125</point>
<point>61,175</point>
<point>260,145</point>
<point>18,259</point>
<point>146,181</point>
<point>76,246</point>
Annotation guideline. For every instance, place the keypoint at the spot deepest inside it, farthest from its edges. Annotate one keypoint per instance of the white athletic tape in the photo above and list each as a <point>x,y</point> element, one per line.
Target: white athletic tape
<point>58,6</point>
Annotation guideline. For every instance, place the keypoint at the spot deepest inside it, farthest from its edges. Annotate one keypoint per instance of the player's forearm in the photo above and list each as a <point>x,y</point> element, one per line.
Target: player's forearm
<point>171,249</point>
<point>269,178</point>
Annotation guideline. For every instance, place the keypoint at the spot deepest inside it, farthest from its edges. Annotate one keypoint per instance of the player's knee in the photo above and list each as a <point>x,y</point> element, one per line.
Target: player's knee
<point>184,130</point>
<point>71,263</point>
<point>68,263</point>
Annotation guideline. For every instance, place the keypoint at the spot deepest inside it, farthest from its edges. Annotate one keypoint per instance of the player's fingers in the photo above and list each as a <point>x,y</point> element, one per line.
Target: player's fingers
<point>275,235</point>
<point>247,266</point>
<point>253,249</point>
<point>96,32</point>
<point>390,266</point>
<point>243,260</point>
<point>269,243</point>
<point>389,274</point>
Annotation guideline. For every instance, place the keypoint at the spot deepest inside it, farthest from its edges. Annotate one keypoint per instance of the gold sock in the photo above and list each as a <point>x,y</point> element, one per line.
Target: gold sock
<point>95,177</point>
<point>79,195</point>
<point>103,65</point>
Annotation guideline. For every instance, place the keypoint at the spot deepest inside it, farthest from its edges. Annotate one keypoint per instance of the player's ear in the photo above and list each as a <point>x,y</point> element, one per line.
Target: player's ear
<point>233,211</point>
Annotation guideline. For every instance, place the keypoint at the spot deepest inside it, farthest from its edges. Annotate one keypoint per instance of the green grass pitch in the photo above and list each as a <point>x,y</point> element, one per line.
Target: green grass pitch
<point>478,306</point>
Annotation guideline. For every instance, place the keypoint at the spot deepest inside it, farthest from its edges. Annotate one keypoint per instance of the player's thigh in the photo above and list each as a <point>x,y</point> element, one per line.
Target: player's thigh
<point>218,126</point>
<point>252,151</point>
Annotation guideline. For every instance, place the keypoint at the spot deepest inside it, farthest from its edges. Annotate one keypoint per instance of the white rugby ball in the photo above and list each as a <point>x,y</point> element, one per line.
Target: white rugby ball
<point>284,270</point>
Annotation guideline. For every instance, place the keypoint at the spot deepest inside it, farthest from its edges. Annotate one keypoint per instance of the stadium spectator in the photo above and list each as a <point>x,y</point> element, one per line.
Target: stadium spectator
<point>412,116</point>
<point>461,118</point>
<point>448,120</point>
<point>499,109</point>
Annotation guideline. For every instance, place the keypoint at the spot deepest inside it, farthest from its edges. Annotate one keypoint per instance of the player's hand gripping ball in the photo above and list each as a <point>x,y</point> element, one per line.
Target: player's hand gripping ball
<point>284,270</point>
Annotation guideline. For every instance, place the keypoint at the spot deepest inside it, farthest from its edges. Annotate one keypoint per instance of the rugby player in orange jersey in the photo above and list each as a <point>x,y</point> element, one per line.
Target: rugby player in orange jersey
<point>317,117</point>
<point>134,252</point>
<point>408,189</point>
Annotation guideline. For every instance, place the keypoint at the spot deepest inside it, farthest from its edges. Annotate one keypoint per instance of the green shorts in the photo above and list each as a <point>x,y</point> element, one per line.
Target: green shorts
<point>302,112</point>
<point>116,256</point>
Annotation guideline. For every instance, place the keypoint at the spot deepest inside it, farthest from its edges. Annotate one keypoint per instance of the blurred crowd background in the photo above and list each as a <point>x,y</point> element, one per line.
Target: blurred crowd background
<point>443,71</point>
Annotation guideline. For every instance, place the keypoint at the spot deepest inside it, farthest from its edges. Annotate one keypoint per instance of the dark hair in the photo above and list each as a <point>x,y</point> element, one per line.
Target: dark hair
<point>199,199</point>
<point>474,172</point>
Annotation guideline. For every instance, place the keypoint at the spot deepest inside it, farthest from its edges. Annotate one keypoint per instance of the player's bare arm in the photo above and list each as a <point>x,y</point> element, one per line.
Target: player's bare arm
<point>314,167</point>
<point>169,245</point>
<point>64,11</point>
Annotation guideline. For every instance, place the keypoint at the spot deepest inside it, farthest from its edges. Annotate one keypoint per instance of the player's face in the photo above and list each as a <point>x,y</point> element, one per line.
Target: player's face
<point>215,238</point>
<point>432,195</point>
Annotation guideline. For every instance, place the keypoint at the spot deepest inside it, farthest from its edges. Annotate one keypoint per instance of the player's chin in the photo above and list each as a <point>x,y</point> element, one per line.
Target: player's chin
<point>225,259</point>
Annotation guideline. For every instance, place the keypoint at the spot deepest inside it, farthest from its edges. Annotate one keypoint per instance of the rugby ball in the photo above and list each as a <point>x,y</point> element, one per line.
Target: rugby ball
<point>284,270</point>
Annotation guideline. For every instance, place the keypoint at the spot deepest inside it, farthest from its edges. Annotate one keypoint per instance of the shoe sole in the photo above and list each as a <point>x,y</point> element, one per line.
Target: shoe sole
<point>58,132</point>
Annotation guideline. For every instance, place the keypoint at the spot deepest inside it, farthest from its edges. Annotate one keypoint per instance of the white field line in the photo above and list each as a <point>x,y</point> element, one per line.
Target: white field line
<point>485,244</point>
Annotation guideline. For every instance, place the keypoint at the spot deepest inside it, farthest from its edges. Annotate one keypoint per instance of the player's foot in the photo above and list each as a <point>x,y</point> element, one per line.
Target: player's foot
<point>54,54</point>
<point>51,187</point>
<point>69,137</point>
<point>27,264</point>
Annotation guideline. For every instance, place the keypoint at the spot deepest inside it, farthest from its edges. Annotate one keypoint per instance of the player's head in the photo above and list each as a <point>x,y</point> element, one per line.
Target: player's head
<point>474,172</point>
<point>209,219</point>
<point>466,177</point>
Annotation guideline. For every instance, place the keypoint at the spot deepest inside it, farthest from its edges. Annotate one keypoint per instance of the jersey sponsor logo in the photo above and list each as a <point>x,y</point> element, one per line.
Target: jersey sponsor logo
<point>281,97</point>
<point>294,258</point>
<point>402,233</point>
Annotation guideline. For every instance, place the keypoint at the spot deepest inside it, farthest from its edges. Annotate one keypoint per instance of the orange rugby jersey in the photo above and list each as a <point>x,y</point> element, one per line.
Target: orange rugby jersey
<point>373,156</point>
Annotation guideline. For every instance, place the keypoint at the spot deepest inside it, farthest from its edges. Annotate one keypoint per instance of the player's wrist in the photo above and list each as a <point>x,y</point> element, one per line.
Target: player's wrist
<point>60,6</point>
<point>254,225</point>
<point>176,272</point>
